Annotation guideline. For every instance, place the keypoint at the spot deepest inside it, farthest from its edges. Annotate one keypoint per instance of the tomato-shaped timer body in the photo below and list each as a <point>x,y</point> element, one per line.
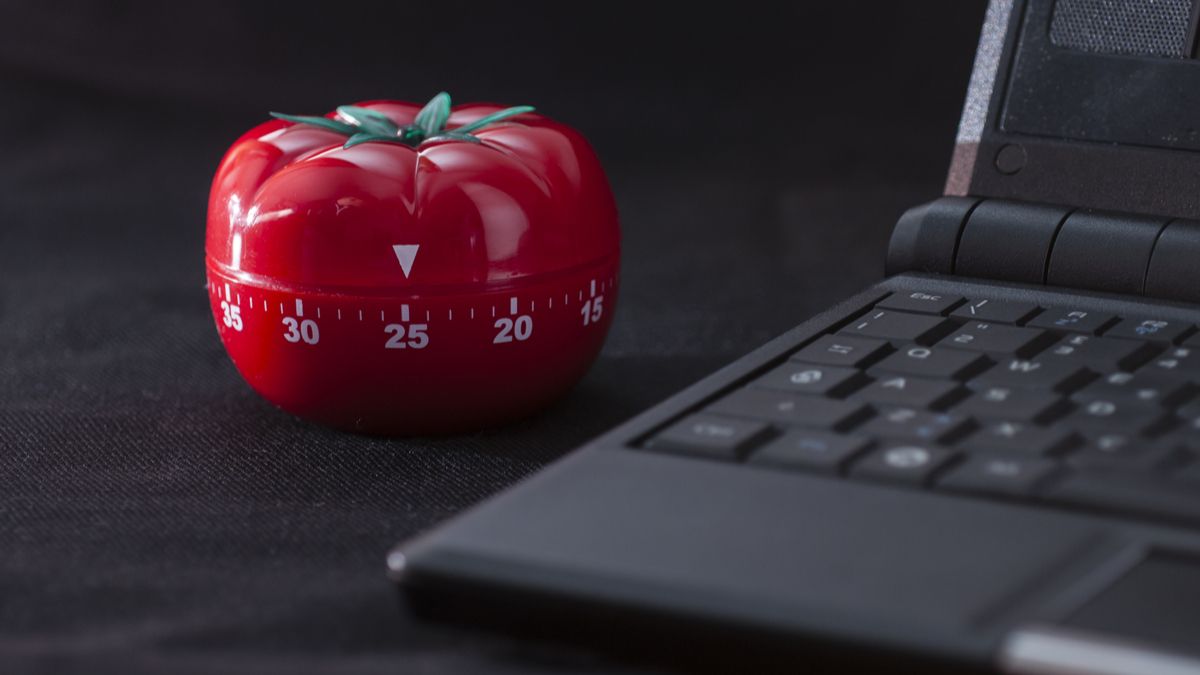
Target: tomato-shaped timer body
<point>398,269</point>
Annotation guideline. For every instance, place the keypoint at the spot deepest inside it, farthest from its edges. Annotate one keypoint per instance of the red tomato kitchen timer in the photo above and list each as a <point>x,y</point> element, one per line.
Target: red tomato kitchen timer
<point>397,269</point>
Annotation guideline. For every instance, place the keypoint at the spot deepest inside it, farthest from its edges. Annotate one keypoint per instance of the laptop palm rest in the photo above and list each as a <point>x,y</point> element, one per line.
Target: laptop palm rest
<point>776,551</point>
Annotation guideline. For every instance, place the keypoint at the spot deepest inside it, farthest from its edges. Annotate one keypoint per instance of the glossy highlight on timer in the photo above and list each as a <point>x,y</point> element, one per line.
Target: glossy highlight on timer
<point>393,268</point>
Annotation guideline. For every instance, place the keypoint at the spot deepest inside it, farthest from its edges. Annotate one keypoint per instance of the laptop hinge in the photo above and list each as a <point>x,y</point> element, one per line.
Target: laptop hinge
<point>1050,245</point>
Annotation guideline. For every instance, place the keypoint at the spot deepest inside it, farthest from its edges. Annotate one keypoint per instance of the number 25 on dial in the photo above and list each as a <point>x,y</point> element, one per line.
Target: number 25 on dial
<point>417,337</point>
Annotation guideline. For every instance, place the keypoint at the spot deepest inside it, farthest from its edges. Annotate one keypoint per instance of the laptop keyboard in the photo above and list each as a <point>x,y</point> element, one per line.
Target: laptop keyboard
<point>997,399</point>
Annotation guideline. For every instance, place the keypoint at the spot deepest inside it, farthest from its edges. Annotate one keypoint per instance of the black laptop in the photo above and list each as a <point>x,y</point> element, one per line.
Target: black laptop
<point>989,460</point>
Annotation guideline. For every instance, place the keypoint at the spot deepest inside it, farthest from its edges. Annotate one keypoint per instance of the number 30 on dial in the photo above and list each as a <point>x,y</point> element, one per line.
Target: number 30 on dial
<point>305,331</point>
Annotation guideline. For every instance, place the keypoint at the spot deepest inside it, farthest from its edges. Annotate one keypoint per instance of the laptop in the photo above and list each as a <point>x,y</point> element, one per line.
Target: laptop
<point>989,460</point>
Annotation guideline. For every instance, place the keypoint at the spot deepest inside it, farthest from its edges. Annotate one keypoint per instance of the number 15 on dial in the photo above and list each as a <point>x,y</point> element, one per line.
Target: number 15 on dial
<point>592,310</point>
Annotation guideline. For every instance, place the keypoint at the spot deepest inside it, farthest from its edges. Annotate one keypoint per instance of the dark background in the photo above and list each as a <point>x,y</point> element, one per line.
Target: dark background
<point>157,516</point>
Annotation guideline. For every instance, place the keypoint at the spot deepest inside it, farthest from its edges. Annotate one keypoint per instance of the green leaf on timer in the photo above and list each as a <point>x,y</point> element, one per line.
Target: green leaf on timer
<point>363,125</point>
<point>369,121</point>
<point>367,137</point>
<point>326,123</point>
<point>494,117</point>
<point>432,118</point>
<point>453,135</point>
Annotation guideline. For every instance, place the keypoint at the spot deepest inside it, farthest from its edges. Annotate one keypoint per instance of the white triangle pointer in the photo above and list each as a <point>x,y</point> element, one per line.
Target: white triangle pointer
<point>406,254</point>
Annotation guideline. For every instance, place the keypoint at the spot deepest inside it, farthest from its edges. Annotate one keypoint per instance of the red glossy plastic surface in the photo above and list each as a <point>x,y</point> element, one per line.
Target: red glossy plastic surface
<point>391,289</point>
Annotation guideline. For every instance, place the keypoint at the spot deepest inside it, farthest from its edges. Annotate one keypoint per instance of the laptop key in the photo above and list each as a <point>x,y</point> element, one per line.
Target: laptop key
<point>1101,354</point>
<point>810,451</point>
<point>902,463</point>
<point>1140,457</point>
<point>804,378</point>
<point>1189,417</point>
<point>1009,476</point>
<point>791,409</point>
<point>922,303</point>
<point>1190,473</point>
<point>1102,415</point>
<point>1119,493</point>
<point>996,311</point>
<point>917,425</point>
<point>1011,403</point>
<point>1108,440</point>
<point>933,362</point>
<point>907,390</point>
<point>1019,437</point>
<point>900,326</point>
<point>1073,320</point>
<point>1184,438</point>
<point>1036,374</point>
<point>1157,330</point>
<point>1181,363</point>
<point>1146,389</point>
<point>843,350</point>
<point>996,338</point>
<point>710,436</point>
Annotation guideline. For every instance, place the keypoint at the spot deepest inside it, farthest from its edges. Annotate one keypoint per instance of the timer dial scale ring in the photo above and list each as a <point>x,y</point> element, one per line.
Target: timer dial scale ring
<point>416,283</point>
<point>415,365</point>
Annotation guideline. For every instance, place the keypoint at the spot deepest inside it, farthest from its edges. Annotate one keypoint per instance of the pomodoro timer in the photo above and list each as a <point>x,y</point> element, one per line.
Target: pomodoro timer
<point>397,269</point>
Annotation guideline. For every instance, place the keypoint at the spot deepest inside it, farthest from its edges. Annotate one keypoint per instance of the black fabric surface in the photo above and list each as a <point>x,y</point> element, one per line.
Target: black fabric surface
<point>157,516</point>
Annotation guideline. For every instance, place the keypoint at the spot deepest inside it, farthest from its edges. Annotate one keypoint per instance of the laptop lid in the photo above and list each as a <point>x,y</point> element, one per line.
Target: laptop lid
<point>1085,103</point>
